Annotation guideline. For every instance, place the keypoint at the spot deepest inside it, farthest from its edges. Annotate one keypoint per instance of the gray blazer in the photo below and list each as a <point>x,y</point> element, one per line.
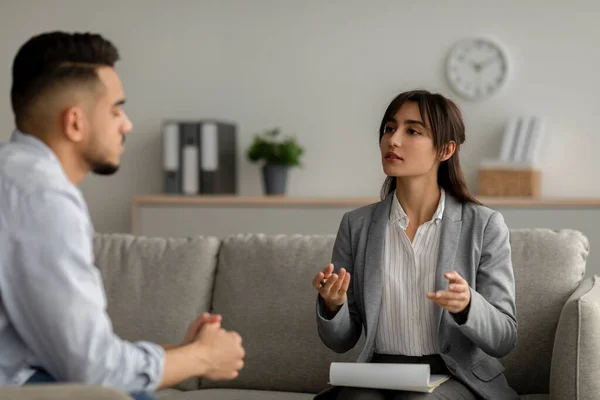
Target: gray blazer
<point>475,242</point>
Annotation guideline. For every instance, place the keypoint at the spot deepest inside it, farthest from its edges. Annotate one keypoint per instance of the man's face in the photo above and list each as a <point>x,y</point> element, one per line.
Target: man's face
<point>108,126</point>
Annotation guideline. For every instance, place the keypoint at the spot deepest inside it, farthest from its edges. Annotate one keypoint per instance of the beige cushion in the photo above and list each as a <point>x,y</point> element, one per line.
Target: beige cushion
<point>61,392</point>
<point>576,361</point>
<point>548,266</point>
<point>155,287</point>
<point>263,290</point>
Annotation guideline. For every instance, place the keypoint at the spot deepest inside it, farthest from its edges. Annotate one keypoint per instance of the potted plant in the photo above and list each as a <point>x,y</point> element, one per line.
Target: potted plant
<point>279,154</point>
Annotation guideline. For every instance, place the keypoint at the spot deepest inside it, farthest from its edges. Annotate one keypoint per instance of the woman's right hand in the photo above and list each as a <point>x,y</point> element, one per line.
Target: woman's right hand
<point>332,287</point>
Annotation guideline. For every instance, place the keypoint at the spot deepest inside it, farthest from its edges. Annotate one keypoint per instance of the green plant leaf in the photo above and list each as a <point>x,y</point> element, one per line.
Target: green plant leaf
<point>272,150</point>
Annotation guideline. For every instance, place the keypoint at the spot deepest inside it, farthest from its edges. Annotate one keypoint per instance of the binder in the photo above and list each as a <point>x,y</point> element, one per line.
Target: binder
<point>218,160</point>
<point>171,164</point>
<point>190,158</point>
<point>199,157</point>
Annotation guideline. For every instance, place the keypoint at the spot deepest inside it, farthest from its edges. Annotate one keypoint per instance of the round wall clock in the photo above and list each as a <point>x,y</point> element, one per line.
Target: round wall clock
<point>477,68</point>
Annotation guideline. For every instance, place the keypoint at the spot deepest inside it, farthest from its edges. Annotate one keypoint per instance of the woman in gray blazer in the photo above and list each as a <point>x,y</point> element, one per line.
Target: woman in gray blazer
<point>426,272</point>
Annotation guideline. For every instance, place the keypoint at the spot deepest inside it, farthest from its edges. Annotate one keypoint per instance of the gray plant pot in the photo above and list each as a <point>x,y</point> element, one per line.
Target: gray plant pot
<point>275,178</point>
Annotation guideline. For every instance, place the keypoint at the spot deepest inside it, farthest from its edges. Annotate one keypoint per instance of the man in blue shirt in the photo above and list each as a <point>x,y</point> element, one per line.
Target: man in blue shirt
<point>67,100</point>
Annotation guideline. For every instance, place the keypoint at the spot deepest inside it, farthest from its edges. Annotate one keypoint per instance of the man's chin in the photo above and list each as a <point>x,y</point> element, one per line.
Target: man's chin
<point>105,169</point>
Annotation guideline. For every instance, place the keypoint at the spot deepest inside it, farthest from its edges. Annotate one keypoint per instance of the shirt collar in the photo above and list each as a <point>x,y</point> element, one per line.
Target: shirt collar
<point>34,143</point>
<point>397,213</point>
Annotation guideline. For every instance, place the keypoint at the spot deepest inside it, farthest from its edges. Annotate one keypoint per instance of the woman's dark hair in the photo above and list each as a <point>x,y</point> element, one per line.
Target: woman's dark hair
<point>445,122</point>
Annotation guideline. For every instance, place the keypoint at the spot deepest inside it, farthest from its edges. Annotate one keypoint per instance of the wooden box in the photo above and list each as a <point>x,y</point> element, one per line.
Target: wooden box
<point>501,182</point>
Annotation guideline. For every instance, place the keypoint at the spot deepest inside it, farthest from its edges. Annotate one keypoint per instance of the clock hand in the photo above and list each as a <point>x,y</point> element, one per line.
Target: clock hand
<point>476,66</point>
<point>487,62</point>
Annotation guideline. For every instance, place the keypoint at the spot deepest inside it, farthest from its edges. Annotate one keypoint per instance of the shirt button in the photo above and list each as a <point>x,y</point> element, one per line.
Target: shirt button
<point>446,349</point>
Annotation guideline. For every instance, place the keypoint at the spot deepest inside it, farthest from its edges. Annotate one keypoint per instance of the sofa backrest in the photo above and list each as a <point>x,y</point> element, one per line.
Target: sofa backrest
<point>548,266</point>
<point>263,290</point>
<point>262,287</point>
<point>156,287</point>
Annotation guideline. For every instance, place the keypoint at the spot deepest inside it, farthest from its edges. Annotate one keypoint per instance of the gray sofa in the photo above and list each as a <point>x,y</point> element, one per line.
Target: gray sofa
<point>262,287</point>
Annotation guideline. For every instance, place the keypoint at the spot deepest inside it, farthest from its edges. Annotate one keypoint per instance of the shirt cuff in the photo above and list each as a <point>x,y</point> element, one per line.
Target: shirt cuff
<point>155,364</point>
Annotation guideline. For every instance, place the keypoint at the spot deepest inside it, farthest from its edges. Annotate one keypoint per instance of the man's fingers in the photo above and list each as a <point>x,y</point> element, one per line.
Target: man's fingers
<point>213,319</point>
<point>209,317</point>
<point>328,270</point>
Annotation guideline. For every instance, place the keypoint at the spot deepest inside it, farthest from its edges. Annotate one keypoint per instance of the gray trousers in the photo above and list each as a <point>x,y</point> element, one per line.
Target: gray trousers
<point>449,390</point>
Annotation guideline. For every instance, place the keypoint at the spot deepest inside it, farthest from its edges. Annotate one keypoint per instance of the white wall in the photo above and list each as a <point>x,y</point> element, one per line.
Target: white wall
<point>325,72</point>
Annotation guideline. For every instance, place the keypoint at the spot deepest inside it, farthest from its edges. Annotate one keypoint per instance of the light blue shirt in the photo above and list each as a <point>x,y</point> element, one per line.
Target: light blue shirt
<point>52,300</point>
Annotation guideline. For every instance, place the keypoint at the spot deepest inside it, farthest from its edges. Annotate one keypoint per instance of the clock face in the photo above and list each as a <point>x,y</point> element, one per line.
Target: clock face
<point>477,68</point>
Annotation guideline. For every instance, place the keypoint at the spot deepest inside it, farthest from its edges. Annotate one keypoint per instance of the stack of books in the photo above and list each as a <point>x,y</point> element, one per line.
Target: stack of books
<point>515,172</point>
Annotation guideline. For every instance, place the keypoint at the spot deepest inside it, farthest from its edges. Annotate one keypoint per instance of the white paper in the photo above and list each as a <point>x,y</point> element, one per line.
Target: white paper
<point>407,377</point>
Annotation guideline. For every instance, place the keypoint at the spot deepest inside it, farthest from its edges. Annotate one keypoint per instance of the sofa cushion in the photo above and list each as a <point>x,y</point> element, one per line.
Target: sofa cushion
<point>575,363</point>
<point>52,391</point>
<point>548,266</point>
<point>155,287</point>
<point>263,290</point>
<point>231,394</point>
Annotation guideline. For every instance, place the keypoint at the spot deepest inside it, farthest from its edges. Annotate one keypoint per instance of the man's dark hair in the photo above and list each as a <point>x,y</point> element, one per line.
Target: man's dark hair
<point>53,61</point>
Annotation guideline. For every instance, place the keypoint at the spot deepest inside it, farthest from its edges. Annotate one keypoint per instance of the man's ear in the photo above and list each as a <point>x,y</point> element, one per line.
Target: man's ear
<point>74,122</point>
<point>448,150</point>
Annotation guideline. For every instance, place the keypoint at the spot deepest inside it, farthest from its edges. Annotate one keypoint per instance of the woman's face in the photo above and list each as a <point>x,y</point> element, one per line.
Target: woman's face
<point>407,144</point>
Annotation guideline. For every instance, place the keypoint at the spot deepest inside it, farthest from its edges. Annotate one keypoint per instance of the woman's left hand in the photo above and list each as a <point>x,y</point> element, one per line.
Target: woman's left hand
<point>458,296</point>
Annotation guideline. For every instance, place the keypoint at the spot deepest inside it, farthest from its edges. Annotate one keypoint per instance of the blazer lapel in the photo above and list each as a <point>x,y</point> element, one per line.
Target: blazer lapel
<point>449,240</point>
<point>373,269</point>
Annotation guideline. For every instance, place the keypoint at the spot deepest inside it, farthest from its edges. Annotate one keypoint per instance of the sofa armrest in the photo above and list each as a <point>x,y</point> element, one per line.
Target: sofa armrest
<point>61,392</point>
<point>575,363</point>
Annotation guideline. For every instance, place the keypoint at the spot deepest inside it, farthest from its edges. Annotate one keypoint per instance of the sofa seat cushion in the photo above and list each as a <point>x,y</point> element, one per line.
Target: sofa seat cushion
<point>231,394</point>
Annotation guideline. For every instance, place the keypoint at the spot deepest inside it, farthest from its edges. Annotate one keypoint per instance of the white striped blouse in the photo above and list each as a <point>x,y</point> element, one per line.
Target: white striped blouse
<point>406,322</point>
